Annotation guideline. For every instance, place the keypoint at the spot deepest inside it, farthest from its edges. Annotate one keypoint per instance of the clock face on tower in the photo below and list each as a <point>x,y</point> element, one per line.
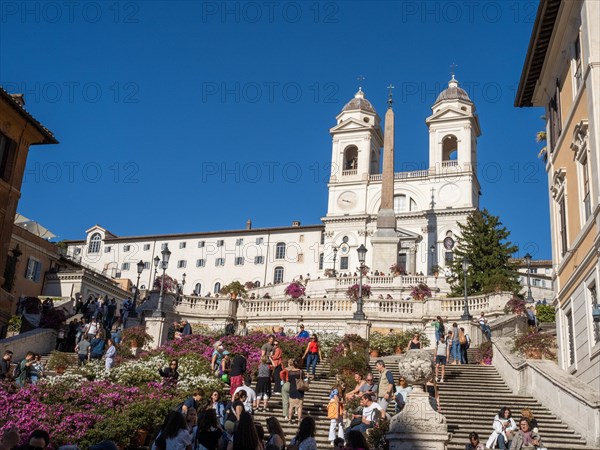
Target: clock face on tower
<point>347,200</point>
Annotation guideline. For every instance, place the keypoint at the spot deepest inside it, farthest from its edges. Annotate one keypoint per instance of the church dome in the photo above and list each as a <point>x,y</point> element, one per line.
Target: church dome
<point>453,92</point>
<point>359,102</point>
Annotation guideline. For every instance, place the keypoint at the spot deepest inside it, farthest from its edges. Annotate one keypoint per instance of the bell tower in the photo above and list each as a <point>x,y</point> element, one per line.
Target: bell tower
<point>453,131</point>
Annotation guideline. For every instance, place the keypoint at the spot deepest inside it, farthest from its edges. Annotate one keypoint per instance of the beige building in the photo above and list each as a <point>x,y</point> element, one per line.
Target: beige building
<point>562,74</point>
<point>18,131</point>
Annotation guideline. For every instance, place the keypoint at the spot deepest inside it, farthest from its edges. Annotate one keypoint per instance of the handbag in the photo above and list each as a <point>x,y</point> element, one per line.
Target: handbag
<point>302,385</point>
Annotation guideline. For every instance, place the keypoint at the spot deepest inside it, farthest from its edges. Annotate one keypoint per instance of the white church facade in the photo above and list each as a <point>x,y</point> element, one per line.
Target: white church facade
<point>427,205</point>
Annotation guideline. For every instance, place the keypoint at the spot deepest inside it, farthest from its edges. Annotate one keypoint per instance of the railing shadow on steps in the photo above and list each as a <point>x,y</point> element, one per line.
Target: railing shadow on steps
<point>573,401</point>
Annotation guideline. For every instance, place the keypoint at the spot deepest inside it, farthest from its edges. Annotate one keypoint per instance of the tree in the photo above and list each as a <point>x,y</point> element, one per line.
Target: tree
<point>483,240</point>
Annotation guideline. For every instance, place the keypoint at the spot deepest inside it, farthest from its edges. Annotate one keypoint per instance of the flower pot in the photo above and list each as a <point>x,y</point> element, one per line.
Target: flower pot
<point>140,438</point>
<point>374,353</point>
<point>534,353</point>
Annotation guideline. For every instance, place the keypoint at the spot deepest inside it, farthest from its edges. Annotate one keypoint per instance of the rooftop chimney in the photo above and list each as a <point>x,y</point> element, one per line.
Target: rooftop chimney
<point>248,224</point>
<point>296,223</point>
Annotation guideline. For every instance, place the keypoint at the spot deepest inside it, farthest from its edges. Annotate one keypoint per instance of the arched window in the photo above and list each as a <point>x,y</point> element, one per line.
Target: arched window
<point>278,275</point>
<point>280,250</point>
<point>400,204</point>
<point>413,205</point>
<point>95,242</point>
<point>449,148</point>
<point>143,286</point>
<point>351,158</point>
<point>217,288</point>
<point>197,288</point>
<point>257,284</point>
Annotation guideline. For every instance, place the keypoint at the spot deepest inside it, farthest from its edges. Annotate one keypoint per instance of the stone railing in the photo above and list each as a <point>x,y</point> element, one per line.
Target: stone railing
<point>449,163</point>
<point>349,172</point>
<point>575,402</point>
<point>40,340</point>
<point>476,304</point>
<point>387,280</point>
<point>402,175</point>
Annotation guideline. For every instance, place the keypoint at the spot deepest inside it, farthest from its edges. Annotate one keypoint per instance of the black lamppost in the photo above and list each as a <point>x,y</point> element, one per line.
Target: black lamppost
<point>359,314</point>
<point>528,260</point>
<point>465,266</point>
<point>183,283</point>
<point>156,261</point>
<point>335,250</point>
<point>431,251</point>
<point>166,254</point>
<point>140,269</point>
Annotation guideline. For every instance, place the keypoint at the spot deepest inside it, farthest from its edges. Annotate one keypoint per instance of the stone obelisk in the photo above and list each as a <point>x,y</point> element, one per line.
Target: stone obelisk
<point>385,239</point>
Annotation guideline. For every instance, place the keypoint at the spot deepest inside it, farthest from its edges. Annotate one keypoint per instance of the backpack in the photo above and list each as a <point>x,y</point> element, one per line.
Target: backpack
<point>461,338</point>
<point>442,328</point>
<point>17,370</point>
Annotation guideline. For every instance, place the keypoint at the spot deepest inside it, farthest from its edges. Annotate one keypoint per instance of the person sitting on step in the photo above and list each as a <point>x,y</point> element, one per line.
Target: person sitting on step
<point>504,429</point>
<point>525,437</point>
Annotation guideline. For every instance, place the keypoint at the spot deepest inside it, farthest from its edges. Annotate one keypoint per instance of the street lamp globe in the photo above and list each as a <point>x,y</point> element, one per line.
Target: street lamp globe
<point>140,267</point>
<point>465,264</point>
<point>362,253</point>
<point>527,258</point>
<point>156,261</point>
<point>166,254</point>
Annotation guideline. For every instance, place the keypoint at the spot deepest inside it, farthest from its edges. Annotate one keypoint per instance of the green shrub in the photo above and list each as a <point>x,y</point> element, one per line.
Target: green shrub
<point>545,313</point>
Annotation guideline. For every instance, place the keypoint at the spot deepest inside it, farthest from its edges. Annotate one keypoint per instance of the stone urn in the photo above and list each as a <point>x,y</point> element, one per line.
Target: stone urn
<point>418,426</point>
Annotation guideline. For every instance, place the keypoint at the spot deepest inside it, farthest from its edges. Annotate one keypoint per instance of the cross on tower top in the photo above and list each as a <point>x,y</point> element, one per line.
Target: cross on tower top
<point>390,101</point>
<point>453,66</point>
<point>360,79</point>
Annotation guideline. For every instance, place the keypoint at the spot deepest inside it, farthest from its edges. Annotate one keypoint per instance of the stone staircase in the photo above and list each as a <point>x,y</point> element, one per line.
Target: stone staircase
<point>315,405</point>
<point>473,394</point>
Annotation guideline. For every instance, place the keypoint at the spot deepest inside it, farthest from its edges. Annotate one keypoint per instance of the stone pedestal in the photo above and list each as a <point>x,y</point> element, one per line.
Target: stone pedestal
<point>385,249</point>
<point>418,426</point>
<point>157,326</point>
<point>360,327</point>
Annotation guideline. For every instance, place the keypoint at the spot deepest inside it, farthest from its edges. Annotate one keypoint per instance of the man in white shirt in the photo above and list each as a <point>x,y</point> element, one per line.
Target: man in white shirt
<point>250,400</point>
<point>371,413</point>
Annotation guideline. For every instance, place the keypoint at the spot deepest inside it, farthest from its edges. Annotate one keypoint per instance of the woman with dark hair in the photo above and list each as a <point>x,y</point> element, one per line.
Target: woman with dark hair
<point>415,343</point>
<point>236,411</point>
<point>312,355</point>
<point>209,432</point>
<point>215,403</point>
<point>504,429</point>
<point>305,437</point>
<point>355,440</point>
<point>245,436</point>
<point>439,328</point>
<point>174,434</point>
<point>525,437</point>
<point>296,396</point>
<point>276,435</point>
<point>170,374</point>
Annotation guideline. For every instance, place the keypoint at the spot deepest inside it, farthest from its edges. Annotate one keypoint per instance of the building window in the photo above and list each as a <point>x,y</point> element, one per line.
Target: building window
<point>554,118</point>
<point>126,248</point>
<point>239,242</point>
<point>181,264</point>
<point>200,262</point>
<point>257,284</point>
<point>107,249</point>
<point>278,275</point>
<point>7,155</point>
<point>402,262</point>
<point>321,261</point>
<point>259,240</point>
<point>197,289</point>
<point>239,261</point>
<point>259,260</point>
<point>182,244</point>
<point>449,258</point>
<point>301,238</point>
<point>344,263</point>
<point>587,205</point>
<point>220,262</point>
<point>163,246</point>
<point>77,251</point>
<point>322,238</point>
<point>570,338</point>
<point>577,70</point>
<point>146,247</point>
<point>125,266</point>
<point>33,270</point>
<point>595,325</point>
<point>562,225</point>
<point>220,243</point>
<point>146,265</point>
<point>201,244</point>
<point>280,250</point>
<point>95,241</point>
<point>217,288</point>
<point>300,257</point>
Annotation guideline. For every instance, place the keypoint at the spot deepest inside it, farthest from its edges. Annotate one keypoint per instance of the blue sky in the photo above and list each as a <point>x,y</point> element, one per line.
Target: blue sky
<point>195,116</point>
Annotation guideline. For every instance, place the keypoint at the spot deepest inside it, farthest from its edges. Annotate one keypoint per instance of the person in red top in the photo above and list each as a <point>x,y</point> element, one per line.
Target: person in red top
<point>277,359</point>
<point>312,355</point>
